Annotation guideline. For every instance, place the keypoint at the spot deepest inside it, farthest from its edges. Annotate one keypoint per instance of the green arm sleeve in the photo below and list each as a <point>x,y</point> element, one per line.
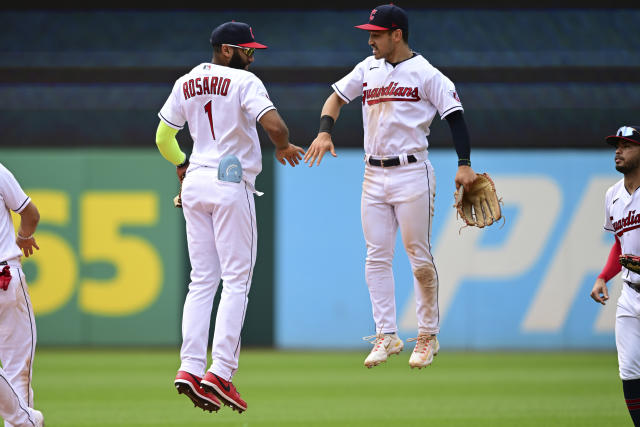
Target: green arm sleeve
<point>168,145</point>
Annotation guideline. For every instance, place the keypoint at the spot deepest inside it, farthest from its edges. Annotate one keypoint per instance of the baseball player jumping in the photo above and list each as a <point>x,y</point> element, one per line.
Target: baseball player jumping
<point>622,209</point>
<point>221,101</point>
<point>17,322</point>
<point>401,93</point>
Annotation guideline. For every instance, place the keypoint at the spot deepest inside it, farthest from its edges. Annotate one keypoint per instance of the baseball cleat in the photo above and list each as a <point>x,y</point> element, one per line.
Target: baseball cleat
<point>384,345</point>
<point>225,390</point>
<point>427,346</point>
<point>189,384</point>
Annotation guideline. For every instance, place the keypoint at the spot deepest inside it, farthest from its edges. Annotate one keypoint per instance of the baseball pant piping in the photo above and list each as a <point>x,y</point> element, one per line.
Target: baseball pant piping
<point>13,408</point>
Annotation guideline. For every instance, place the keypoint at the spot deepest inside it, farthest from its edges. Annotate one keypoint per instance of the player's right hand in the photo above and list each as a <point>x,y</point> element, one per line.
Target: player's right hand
<point>319,147</point>
<point>292,154</point>
<point>599,293</point>
<point>27,245</point>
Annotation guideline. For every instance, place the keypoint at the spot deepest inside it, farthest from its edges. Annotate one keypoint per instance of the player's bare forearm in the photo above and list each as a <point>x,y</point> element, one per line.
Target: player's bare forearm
<point>29,218</point>
<point>599,293</point>
<point>275,127</point>
<point>464,177</point>
<point>332,106</point>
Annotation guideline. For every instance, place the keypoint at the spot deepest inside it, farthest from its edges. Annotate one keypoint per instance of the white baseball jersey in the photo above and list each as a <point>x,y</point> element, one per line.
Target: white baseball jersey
<point>398,103</point>
<point>221,105</point>
<point>622,217</point>
<point>13,198</point>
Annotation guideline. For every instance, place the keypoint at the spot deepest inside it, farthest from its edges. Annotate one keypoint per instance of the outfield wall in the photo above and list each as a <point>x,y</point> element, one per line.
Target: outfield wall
<point>523,284</point>
<point>112,268</point>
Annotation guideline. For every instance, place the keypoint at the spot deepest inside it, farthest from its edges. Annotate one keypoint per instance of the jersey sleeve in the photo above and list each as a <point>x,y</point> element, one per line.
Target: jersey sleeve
<point>255,99</point>
<point>442,94</point>
<point>171,112</point>
<point>11,192</point>
<point>350,86</point>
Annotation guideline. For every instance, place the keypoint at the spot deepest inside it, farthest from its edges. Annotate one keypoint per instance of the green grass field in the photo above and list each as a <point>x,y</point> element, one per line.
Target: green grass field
<point>135,388</point>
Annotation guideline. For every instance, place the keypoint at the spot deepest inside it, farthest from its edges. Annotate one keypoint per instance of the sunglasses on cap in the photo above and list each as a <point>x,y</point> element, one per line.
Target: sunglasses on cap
<point>626,131</point>
<point>249,51</point>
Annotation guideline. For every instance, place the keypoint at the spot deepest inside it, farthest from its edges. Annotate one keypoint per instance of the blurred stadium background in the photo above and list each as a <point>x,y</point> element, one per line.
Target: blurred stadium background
<point>541,86</point>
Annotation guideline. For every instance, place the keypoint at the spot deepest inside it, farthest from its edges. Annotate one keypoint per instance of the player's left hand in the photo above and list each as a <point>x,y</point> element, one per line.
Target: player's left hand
<point>599,292</point>
<point>292,154</point>
<point>182,171</point>
<point>464,177</point>
<point>27,245</point>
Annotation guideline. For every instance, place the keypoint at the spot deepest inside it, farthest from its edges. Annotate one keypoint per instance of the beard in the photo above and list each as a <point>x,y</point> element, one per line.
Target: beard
<point>238,62</point>
<point>627,167</point>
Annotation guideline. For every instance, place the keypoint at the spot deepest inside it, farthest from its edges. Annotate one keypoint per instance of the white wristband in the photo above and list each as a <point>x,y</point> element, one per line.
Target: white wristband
<point>24,238</point>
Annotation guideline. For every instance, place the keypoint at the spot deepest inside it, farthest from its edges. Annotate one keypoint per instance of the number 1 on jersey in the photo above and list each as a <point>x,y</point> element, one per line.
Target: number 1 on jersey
<point>207,109</point>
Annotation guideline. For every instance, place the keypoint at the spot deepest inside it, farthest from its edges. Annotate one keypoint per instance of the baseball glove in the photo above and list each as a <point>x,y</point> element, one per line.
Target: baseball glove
<point>181,170</point>
<point>480,205</point>
<point>630,262</point>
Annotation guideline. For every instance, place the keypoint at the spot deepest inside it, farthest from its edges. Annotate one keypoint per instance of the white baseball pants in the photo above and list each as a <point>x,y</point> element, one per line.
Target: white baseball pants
<point>13,409</point>
<point>222,239</point>
<point>628,333</point>
<point>400,196</point>
<point>17,335</point>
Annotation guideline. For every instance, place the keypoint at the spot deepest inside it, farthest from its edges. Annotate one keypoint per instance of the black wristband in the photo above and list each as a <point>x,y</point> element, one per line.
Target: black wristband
<point>326,124</point>
<point>183,164</point>
<point>464,162</point>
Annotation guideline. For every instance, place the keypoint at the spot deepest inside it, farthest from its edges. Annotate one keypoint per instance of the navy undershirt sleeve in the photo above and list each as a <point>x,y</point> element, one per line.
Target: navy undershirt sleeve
<point>460,136</point>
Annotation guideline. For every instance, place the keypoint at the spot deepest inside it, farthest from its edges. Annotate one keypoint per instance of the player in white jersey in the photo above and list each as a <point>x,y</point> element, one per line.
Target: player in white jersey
<point>17,322</point>
<point>221,101</point>
<point>401,93</point>
<point>622,219</point>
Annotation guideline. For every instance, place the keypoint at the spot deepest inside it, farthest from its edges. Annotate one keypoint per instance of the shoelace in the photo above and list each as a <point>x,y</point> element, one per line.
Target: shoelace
<point>423,341</point>
<point>376,340</point>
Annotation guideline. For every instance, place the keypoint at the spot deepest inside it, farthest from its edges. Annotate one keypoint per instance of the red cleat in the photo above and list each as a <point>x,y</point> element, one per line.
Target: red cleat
<point>224,390</point>
<point>189,384</point>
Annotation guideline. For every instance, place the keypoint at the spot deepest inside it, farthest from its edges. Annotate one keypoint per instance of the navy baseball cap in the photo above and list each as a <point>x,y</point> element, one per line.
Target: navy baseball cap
<point>386,17</point>
<point>625,133</point>
<point>235,33</point>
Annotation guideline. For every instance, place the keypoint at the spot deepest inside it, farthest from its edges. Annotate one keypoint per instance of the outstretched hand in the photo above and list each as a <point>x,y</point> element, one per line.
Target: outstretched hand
<point>292,154</point>
<point>27,245</point>
<point>318,148</point>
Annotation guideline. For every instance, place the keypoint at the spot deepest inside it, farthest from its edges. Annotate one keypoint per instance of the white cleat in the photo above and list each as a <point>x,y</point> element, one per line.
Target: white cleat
<point>427,346</point>
<point>384,345</point>
<point>38,418</point>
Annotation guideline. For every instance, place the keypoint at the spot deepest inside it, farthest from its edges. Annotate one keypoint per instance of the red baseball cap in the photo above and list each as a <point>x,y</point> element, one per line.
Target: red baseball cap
<point>386,17</point>
<point>236,33</point>
<point>625,133</point>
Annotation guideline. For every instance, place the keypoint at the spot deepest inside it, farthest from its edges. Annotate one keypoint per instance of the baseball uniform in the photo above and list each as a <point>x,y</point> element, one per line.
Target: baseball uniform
<point>220,216</point>
<point>398,105</point>
<point>17,321</point>
<point>622,218</point>
<point>221,102</point>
